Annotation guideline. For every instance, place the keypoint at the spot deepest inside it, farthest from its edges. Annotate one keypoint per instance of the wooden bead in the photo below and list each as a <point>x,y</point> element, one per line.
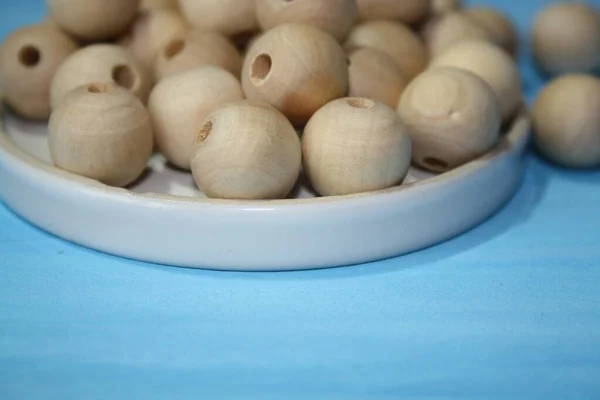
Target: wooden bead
<point>498,25</point>
<point>452,116</point>
<point>103,132</point>
<point>334,16</point>
<point>491,63</point>
<point>395,39</point>
<point>444,6</point>
<point>297,69</point>
<point>93,20</point>
<point>29,59</point>
<point>195,49</point>
<point>246,151</point>
<point>355,145</point>
<point>375,75</point>
<point>158,4</point>
<point>179,104</point>
<point>451,29</point>
<point>566,38</point>
<point>151,31</point>
<point>100,63</point>
<point>228,17</point>
<point>404,11</point>
<point>566,121</point>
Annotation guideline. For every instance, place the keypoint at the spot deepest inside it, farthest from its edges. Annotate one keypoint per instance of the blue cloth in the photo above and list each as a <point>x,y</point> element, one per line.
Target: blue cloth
<point>510,309</point>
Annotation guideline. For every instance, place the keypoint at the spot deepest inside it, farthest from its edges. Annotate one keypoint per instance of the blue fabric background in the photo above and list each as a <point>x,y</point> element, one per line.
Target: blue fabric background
<point>510,309</point>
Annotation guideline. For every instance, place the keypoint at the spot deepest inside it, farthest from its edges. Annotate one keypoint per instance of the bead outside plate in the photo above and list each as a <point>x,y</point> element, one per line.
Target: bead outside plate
<point>163,218</point>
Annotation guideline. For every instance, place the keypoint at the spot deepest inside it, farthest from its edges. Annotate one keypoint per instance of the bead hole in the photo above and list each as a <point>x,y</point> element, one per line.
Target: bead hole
<point>174,48</point>
<point>435,163</point>
<point>261,67</point>
<point>123,76</point>
<point>204,132</point>
<point>30,56</point>
<point>361,103</point>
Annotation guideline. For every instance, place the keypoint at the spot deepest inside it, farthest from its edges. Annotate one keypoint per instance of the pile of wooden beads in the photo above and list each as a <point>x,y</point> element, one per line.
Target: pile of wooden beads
<point>222,88</point>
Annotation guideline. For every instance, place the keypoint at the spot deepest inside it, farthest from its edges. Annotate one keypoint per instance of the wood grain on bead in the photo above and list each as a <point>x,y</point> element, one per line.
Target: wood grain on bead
<point>158,4</point>
<point>103,132</point>
<point>355,145</point>
<point>393,38</point>
<point>405,11</point>
<point>179,104</point>
<point>334,16</point>
<point>500,26</point>
<point>452,116</point>
<point>297,69</point>
<point>439,7</point>
<point>29,58</point>
<point>93,20</point>
<point>228,17</point>
<point>246,151</point>
<point>375,75</point>
<point>450,29</point>
<point>100,63</point>
<point>566,38</point>
<point>196,48</point>
<point>566,121</point>
<point>491,63</point>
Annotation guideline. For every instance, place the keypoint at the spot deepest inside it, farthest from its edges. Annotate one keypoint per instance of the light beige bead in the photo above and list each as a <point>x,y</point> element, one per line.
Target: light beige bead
<point>452,116</point>
<point>375,75</point>
<point>334,16</point>
<point>297,69</point>
<point>151,31</point>
<point>566,38</point>
<point>179,104</point>
<point>29,58</point>
<point>498,25</point>
<point>491,63</point>
<point>566,121</point>
<point>451,29</point>
<point>405,11</point>
<point>229,17</point>
<point>395,39</point>
<point>355,145</point>
<point>157,4</point>
<point>93,20</point>
<point>195,49</point>
<point>100,63</point>
<point>443,6</point>
<point>246,151</point>
<point>101,131</point>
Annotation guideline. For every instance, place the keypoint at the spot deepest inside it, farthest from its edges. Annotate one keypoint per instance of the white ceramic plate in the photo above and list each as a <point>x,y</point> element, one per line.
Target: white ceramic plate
<point>164,219</point>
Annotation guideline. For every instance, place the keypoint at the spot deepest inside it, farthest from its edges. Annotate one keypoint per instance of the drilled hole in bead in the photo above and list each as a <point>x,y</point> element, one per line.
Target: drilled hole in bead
<point>30,56</point>
<point>100,88</point>
<point>204,132</point>
<point>174,48</point>
<point>261,67</point>
<point>123,76</point>
<point>435,163</point>
<point>361,103</point>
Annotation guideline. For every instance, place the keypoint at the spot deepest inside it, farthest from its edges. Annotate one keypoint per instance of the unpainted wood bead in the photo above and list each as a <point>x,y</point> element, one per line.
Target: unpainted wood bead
<point>334,16</point>
<point>443,6</point>
<point>566,38</point>
<point>375,75</point>
<point>246,151</point>
<point>100,63</point>
<point>228,17</point>
<point>103,132</point>
<point>196,48</point>
<point>452,116</point>
<point>179,104</point>
<point>405,11</point>
<point>493,65</point>
<point>566,121</point>
<point>297,69</point>
<point>93,20</point>
<point>158,4</point>
<point>151,31</point>
<point>355,145</point>
<point>450,29</point>
<point>498,25</point>
<point>29,59</point>
<point>393,38</point>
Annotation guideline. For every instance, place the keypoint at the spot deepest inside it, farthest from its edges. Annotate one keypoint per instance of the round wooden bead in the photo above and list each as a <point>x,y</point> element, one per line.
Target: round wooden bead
<point>246,151</point>
<point>93,20</point>
<point>355,145</point>
<point>334,16</point>
<point>228,17</point>
<point>395,39</point>
<point>103,132</point>
<point>566,121</point>
<point>444,6</point>
<point>195,49</point>
<point>566,38</point>
<point>29,59</point>
<point>491,63</point>
<point>100,63</point>
<point>157,4</point>
<point>498,25</point>
<point>375,75</point>
<point>297,69</point>
<point>179,104</point>
<point>405,11</point>
<point>452,116</point>
<point>450,29</point>
<point>151,31</point>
